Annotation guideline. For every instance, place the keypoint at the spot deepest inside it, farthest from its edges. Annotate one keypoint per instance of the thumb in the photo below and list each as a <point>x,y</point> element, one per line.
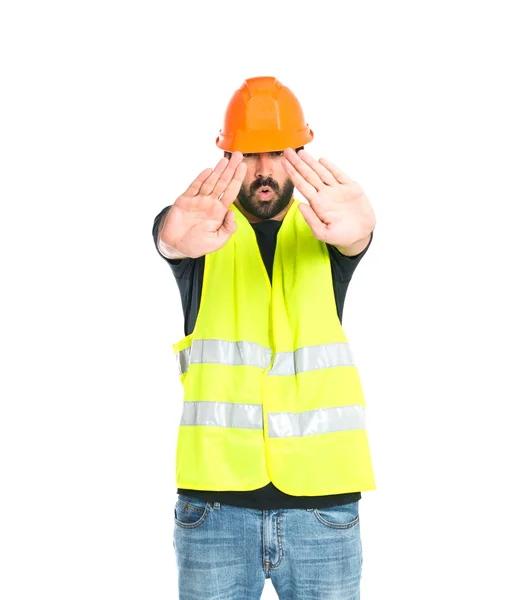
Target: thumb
<point>316,225</point>
<point>229,224</point>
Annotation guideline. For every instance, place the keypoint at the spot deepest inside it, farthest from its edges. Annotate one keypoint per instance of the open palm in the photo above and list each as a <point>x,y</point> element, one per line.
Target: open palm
<point>200,222</point>
<point>339,211</point>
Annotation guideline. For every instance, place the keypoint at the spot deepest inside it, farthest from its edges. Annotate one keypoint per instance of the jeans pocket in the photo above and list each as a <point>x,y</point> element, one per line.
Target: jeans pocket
<point>343,516</point>
<point>190,512</point>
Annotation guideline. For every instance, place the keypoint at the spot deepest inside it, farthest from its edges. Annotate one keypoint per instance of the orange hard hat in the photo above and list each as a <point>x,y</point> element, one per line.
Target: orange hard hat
<point>263,116</point>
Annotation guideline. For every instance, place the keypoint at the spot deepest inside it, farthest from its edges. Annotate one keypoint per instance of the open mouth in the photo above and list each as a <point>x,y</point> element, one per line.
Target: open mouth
<point>265,193</point>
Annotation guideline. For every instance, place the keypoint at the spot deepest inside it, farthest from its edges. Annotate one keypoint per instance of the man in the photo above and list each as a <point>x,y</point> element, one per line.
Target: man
<point>272,452</point>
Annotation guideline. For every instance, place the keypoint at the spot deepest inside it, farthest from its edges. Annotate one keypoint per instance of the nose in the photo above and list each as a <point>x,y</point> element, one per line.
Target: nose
<point>263,165</point>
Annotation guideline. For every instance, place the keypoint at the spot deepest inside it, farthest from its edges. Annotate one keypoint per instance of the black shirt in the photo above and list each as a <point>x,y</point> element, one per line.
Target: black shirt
<point>189,274</point>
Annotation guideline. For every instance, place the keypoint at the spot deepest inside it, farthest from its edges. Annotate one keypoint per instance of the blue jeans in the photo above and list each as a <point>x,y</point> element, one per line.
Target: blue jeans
<point>226,552</point>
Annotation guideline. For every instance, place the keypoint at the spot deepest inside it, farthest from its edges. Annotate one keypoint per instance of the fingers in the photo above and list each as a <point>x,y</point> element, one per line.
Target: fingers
<point>335,171</point>
<point>215,181</point>
<point>194,188</point>
<point>308,191</point>
<point>303,169</point>
<point>234,186</point>
<point>208,185</point>
<point>321,170</point>
<point>227,175</point>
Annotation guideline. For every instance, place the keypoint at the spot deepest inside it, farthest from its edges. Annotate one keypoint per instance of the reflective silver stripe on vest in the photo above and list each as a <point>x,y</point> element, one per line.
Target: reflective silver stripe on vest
<point>309,358</point>
<point>320,420</point>
<point>226,353</point>
<point>304,359</point>
<point>223,414</point>
<point>183,360</point>
<point>281,424</point>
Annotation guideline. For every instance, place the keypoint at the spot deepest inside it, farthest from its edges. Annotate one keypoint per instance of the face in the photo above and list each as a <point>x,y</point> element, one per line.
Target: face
<point>266,189</point>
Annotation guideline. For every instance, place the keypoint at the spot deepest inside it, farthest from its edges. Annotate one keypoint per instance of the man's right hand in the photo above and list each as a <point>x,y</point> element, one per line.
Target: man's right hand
<point>200,222</point>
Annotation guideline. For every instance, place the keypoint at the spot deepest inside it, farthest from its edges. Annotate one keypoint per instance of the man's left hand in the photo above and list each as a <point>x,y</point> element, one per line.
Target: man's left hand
<point>339,212</point>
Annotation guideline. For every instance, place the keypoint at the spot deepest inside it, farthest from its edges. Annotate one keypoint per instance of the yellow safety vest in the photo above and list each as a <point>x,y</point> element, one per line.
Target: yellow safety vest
<point>271,392</point>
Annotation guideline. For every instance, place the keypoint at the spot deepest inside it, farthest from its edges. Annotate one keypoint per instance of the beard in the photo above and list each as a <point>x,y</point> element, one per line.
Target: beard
<point>265,209</point>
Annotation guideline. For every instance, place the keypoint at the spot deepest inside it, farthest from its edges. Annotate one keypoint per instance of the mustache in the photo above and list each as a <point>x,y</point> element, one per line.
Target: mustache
<point>264,181</point>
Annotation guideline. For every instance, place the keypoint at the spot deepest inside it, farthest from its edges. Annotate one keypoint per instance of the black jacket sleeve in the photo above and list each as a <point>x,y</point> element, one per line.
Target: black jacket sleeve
<point>344,266</point>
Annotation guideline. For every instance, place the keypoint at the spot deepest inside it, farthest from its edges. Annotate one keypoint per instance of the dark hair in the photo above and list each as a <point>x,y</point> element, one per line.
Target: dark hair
<point>228,154</point>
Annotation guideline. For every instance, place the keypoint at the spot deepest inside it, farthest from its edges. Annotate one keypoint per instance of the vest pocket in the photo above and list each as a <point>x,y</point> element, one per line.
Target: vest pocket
<point>190,512</point>
<point>342,516</point>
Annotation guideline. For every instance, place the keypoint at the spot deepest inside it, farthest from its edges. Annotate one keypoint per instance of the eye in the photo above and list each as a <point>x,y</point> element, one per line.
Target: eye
<point>278,153</point>
<point>250,155</point>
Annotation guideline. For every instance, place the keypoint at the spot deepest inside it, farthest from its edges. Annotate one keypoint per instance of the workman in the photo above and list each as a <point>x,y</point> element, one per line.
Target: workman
<point>272,452</point>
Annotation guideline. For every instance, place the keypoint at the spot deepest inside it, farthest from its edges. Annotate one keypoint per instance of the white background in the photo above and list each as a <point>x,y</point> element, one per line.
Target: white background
<point>109,110</point>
